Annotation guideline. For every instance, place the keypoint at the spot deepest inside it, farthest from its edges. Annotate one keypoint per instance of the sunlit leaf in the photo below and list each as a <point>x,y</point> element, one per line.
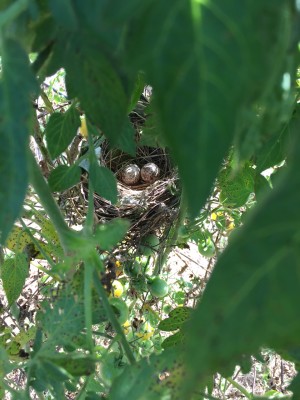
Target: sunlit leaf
<point>60,131</point>
<point>14,271</point>
<point>104,182</point>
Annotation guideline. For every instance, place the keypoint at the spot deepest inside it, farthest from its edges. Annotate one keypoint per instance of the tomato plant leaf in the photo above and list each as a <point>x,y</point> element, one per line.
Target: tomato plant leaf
<point>236,187</point>
<point>108,235</point>
<point>254,287</point>
<point>176,318</point>
<point>126,141</point>
<point>14,271</point>
<point>218,46</point>
<point>97,84</point>
<point>64,13</point>
<point>60,131</point>
<point>104,182</point>
<point>64,177</point>
<point>173,340</point>
<point>15,118</point>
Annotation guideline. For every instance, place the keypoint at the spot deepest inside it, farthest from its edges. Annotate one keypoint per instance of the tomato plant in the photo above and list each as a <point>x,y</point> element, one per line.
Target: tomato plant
<point>225,109</point>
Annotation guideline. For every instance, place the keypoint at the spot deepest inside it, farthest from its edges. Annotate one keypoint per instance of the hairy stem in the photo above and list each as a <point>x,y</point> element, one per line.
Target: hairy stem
<point>113,319</point>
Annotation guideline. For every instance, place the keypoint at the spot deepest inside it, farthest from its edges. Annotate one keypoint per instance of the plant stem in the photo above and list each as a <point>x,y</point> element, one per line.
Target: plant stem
<point>171,241</point>
<point>89,221</point>
<point>43,191</point>
<point>88,278</point>
<point>111,316</point>
<point>240,388</point>
<point>11,12</point>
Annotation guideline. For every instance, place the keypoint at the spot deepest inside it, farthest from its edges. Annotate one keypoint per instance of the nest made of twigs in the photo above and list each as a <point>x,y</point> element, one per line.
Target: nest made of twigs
<point>150,207</point>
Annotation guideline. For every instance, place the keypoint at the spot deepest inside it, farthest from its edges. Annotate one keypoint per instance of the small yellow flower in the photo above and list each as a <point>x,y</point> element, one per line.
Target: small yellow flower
<point>214,216</point>
<point>146,331</point>
<point>126,327</point>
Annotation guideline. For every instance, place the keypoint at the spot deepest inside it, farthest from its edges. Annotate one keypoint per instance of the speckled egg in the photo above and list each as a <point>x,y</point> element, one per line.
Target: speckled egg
<point>130,174</point>
<point>150,172</point>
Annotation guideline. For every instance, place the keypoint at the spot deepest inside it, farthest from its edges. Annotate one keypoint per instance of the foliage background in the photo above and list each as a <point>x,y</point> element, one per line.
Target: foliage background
<point>223,76</point>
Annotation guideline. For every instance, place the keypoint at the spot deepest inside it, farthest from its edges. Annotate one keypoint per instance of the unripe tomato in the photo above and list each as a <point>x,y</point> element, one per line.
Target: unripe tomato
<point>206,247</point>
<point>149,245</point>
<point>158,287</point>
<point>132,269</point>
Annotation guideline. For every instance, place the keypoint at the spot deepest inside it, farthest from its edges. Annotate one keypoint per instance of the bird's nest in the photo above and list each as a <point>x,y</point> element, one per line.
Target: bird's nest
<point>150,207</point>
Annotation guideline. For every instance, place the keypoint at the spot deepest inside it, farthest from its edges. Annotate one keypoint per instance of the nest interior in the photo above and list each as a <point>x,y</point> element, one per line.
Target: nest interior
<point>150,207</point>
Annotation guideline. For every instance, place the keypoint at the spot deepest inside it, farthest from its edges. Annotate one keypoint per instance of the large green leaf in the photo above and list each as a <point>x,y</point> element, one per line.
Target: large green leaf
<point>60,131</point>
<point>14,271</point>
<point>253,295</point>
<point>109,234</point>
<point>17,84</point>
<point>104,182</point>
<point>64,13</point>
<point>64,177</point>
<point>97,84</point>
<point>207,61</point>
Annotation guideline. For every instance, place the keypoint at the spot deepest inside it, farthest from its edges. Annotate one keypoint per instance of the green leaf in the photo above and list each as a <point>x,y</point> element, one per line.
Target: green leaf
<point>64,13</point>
<point>133,382</point>
<point>104,182</point>
<point>253,293</point>
<point>109,234</point>
<point>14,272</point>
<point>176,318</point>
<point>61,130</point>
<point>15,111</point>
<point>273,152</point>
<point>213,75</point>
<point>173,340</point>
<point>236,187</point>
<point>97,84</point>
<point>137,91</point>
<point>75,364</point>
<point>126,141</point>
<point>64,177</point>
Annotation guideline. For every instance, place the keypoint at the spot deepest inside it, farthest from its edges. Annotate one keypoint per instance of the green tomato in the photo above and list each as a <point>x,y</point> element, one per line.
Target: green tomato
<point>139,284</point>
<point>120,308</point>
<point>149,245</point>
<point>158,287</point>
<point>132,269</point>
<point>206,247</point>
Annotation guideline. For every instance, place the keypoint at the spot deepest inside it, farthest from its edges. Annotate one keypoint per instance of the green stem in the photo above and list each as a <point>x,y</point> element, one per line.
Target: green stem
<point>89,221</point>
<point>11,12</point>
<point>47,102</point>
<point>43,191</point>
<point>88,278</point>
<point>171,241</point>
<point>113,319</point>
<point>240,388</point>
